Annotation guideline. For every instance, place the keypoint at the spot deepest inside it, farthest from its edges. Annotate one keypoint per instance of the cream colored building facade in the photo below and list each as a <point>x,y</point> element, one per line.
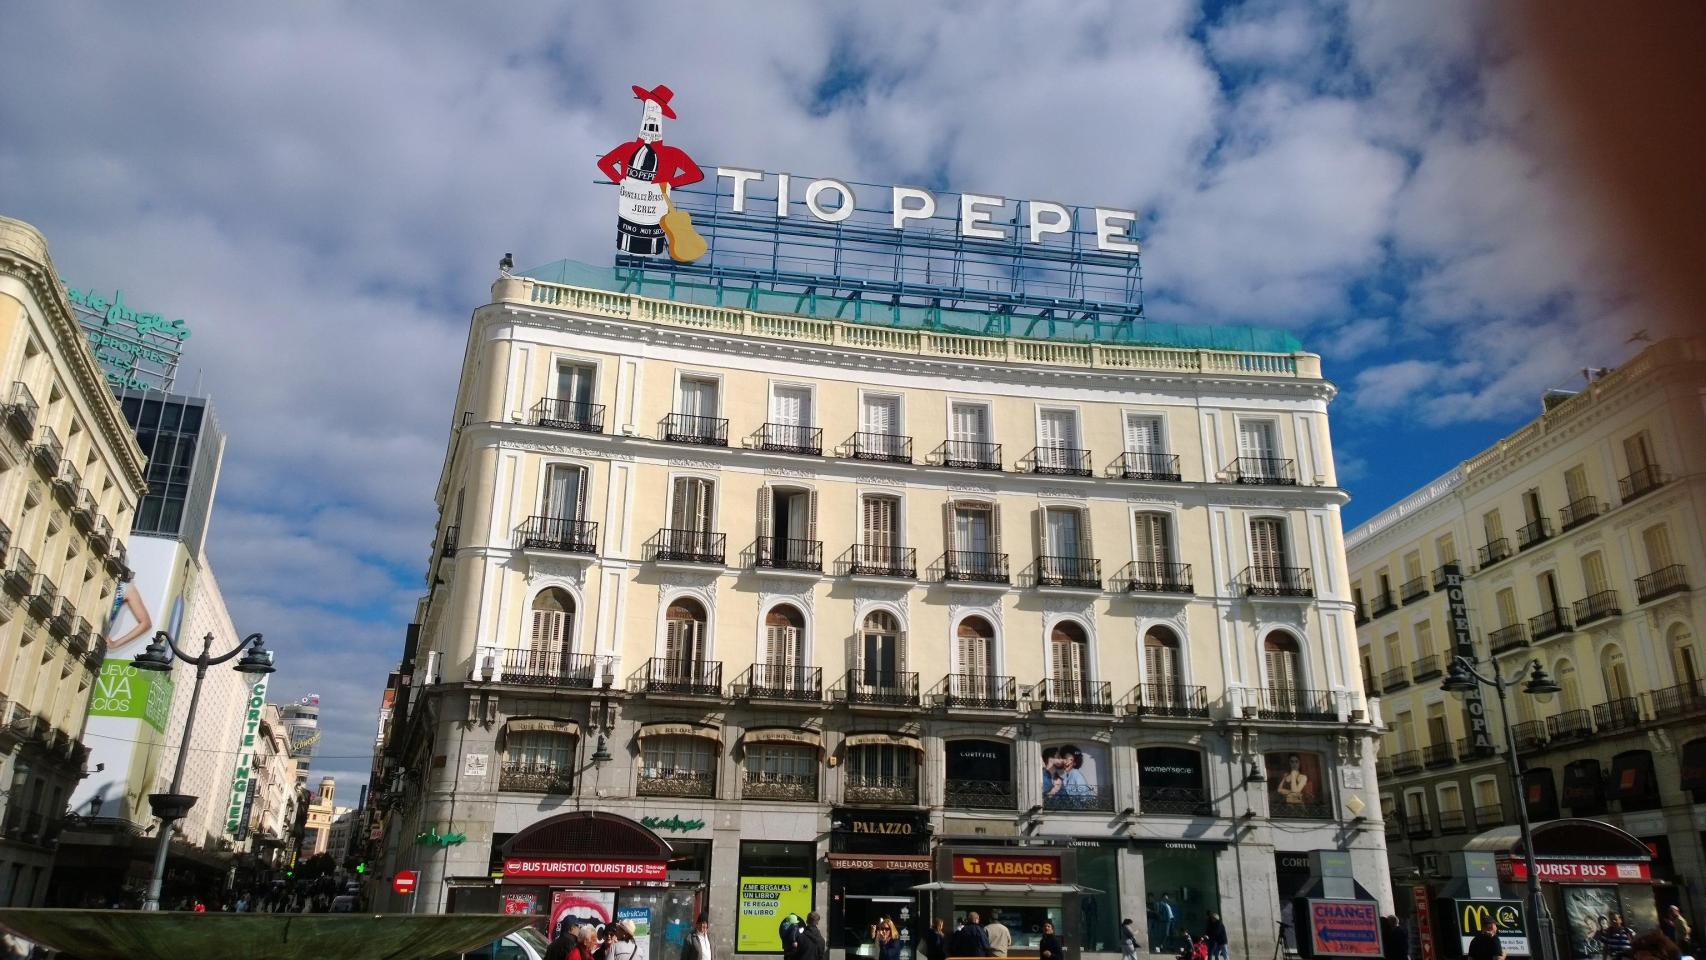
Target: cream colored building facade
<point>317,827</point>
<point>70,477</point>
<point>797,575</point>
<point>1580,536</point>
<point>273,812</point>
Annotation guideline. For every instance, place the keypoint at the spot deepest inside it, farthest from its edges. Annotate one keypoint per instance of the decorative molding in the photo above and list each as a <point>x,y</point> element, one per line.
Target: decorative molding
<point>1083,609</point>
<point>692,463</point>
<point>703,586</point>
<point>805,599</point>
<point>793,472</point>
<point>555,571</point>
<point>563,449</point>
<point>962,604</point>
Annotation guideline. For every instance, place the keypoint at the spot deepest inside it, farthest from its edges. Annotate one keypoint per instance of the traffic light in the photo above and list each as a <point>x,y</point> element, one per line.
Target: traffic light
<point>291,874</point>
<point>361,868</point>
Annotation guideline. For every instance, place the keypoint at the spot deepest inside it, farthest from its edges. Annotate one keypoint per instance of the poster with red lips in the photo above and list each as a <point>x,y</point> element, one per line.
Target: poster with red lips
<point>644,170</point>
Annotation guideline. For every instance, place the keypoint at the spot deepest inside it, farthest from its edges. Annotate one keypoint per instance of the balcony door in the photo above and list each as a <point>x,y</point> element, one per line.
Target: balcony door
<point>1069,663</point>
<point>698,397</point>
<point>1057,439</point>
<point>1593,573</point>
<point>784,647</point>
<point>684,642</point>
<point>575,385</point>
<point>1256,441</point>
<point>879,651</point>
<point>565,493</point>
<point>1284,662</point>
<point>1063,535</point>
<point>690,514</point>
<point>1638,450</point>
<point>788,515</point>
<point>879,529</point>
<point>1143,435</point>
<point>1656,541</point>
<point>1438,733</point>
<point>975,538</point>
<point>974,657</point>
<point>1161,665</point>
<point>552,631</point>
<point>969,431</point>
<point>1615,668</point>
<point>879,420</point>
<point>1267,549</point>
<point>1547,585</point>
<point>1576,484</point>
<point>1151,545</point>
<point>791,415</point>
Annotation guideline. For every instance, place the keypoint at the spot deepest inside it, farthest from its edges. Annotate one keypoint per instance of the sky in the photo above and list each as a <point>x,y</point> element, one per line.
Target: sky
<point>322,191</point>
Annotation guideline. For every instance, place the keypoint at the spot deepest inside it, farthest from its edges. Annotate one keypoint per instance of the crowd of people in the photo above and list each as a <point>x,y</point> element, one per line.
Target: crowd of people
<point>578,940</point>
<point>1614,939</point>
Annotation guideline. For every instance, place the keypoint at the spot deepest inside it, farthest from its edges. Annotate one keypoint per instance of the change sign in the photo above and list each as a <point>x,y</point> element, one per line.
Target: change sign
<point>1344,928</point>
<point>1472,915</point>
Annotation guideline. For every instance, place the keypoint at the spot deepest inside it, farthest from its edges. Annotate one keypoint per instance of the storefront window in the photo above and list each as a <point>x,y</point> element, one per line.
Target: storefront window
<point>882,773</point>
<point>1181,886</point>
<point>979,774</point>
<point>1099,913</point>
<point>775,880</point>
<point>780,772</point>
<point>678,766</point>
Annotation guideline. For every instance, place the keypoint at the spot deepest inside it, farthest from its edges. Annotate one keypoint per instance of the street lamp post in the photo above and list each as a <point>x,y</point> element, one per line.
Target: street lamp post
<point>1462,678</point>
<point>173,806</point>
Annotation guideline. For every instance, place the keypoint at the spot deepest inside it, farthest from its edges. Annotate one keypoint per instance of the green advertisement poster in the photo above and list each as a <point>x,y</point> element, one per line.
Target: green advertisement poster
<point>121,690</point>
<point>764,901</point>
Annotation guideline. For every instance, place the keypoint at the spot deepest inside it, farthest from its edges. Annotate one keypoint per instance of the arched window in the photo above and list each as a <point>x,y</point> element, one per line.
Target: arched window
<point>1614,667</point>
<point>880,654</point>
<point>974,660</point>
<point>685,642</point>
<point>1570,696</point>
<point>1069,663</point>
<point>1284,661</point>
<point>1684,657</point>
<point>552,635</point>
<point>1161,665</point>
<point>781,671</point>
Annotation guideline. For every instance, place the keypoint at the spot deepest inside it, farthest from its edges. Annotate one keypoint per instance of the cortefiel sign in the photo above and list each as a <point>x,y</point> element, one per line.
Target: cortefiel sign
<point>1473,915</point>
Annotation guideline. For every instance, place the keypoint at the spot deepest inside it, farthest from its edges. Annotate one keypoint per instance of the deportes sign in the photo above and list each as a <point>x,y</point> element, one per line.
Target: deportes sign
<point>1473,915</point>
<point>1344,928</point>
<point>999,868</point>
<point>630,870</point>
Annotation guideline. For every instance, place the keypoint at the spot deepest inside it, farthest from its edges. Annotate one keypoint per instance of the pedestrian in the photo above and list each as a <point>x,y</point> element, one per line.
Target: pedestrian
<point>813,946</point>
<point>1049,947</point>
<point>1486,945</point>
<point>566,944</point>
<point>1672,925</point>
<point>589,942</point>
<point>788,932</point>
<point>698,945</point>
<point>933,943</point>
<point>1394,939</point>
<point>1000,938</point>
<point>1128,941</point>
<point>1616,939</point>
<point>624,946</point>
<point>1216,937</point>
<point>1166,916</point>
<point>1655,946</point>
<point>1186,948</point>
<point>969,940</point>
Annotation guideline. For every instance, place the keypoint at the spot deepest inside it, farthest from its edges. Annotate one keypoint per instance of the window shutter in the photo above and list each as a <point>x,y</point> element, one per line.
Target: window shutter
<point>681,510</point>
<point>704,505</point>
<point>1656,539</point>
<point>675,639</point>
<point>1637,451</point>
<point>949,533</point>
<point>764,510</point>
<point>811,514</point>
<point>1086,548</point>
<point>995,527</point>
<point>1040,517</point>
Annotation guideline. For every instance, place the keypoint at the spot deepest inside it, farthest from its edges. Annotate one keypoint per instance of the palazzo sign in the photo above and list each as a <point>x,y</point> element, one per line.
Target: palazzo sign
<point>1463,644</point>
<point>237,807</point>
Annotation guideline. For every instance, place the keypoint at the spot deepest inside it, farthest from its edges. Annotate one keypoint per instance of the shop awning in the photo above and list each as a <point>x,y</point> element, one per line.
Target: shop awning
<point>1632,777</point>
<point>809,738</point>
<point>973,886</point>
<point>703,731</point>
<point>1584,787</point>
<point>905,740</point>
<point>543,724</point>
<point>1694,765</point>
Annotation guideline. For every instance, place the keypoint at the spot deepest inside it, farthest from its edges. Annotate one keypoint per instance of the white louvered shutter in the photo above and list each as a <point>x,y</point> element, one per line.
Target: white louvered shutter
<point>1160,664</point>
<point>1638,450</point>
<point>1593,573</point>
<point>971,422</point>
<point>1656,540</point>
<point>1152,539</point>
<point>1283,669</point>
<point>765,510</point>
<point>1255,438</point>
<point>880,416</point>
<point>1143,434</point>
<point>1267,546</point>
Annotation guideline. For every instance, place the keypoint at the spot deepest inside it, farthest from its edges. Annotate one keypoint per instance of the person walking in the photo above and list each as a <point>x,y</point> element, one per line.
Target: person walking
<point>1486,945</point>
<point>698,944</point>
<point>1673,926</point>
<point>887,940</point>
<point>933,942</point>
<point>1050,947</point>
<point>1000,938</point>
<point>1216,937</point>
<point>1128,941</point>
<point>1394,939</point>
<point>566,944</point>
<point>813,946</point>
<point>969,940</point>
<point>1166,916</point>
<point>1616,939</point>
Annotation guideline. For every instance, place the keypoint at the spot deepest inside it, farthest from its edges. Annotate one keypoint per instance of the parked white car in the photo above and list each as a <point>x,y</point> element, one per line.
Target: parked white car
<point>524,944</point>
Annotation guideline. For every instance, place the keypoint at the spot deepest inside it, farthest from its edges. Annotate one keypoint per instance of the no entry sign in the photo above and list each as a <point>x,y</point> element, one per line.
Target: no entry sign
<point>404,881</point>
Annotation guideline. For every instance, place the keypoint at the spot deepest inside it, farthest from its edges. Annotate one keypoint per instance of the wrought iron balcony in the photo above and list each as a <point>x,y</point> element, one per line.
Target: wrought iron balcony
<point>1441,577</point>
<point>5,542</point>
<point>1569,725</point>
<point>880,688</point>
<point>1452,822</point>
<point>1418,827</point>
<point>1427,668</point>
<point>1662,582</point>
<point>1438,755</point>
<point>1597,606</point>
<point>972,566</point>
<point>1396,678</point>
<point>558,534</point>
<point>1291,703</point>
<point>1494,551</point>
<point>118,559</point>
<point>1509,637</point>
<point>1059,461</point>
<point>659,782</point>
<point>447,549</point>
<point>1618,713</point>
<point>688,428</point>
<point>551,668</point>
<point>1146,466</point>
<point>1081,572</point>
<point>526,776</point>
<point>21,411</point>
<point>1413,589</point>
<point>1072,798</point>
<point>771,681</point>
<point>1174,801</point>
<point>785,553</point>
<point>789,438</point>
<point>1467,751</point>
<point>1163,699</point>
<point>1263,471</point>
<point>671,545</point>
<point>867,560</point>
<point>977,691</point>
<point>83,514</point>
<point>1548,624</point>
<point>1641,482</point>
<point>1281,808</point>
<point>766,785</point>
<point>82,635</point>
<point>881,447</point>
<point>868,788</point>
<point>47,450</point>
<point>63,619</point>
<point>568,415</point>
<point>969,455</point>
<point>1489,815</point>
<point>44,596</point>
<point>67,484</point>
<point>1078,696</point>
<point>1146,576</point>
<point>1683,700</point>
<point>20,573</point>
<point>1407,761</point>
<point>101,536</point>
<point>1360,617</point>
<point>1382,603</point>
<point>1533,533</point>
<point>1578,512</point>
<point>979,794</point>
<point>1265,581</point>
<point>1530,735</point>
<point>686,678</point>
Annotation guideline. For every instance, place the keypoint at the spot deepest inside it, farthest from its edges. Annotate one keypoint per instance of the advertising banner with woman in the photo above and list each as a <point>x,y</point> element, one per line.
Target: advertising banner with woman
<point>1295,784</point>
<point>1074,776</point>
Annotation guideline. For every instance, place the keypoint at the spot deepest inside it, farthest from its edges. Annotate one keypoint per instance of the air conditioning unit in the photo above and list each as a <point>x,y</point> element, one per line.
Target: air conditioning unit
<point>1251,713</point>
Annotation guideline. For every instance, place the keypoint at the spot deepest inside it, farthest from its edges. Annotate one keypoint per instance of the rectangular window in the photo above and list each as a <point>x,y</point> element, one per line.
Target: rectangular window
<point>970,422</point>
<point>1486,793</point>
<point>1394,652</point>
<point>1063,533</point>
<point>565,492</point>
<point>690,509</point>
<point>1152,540</point>
<point>1531,510</point>
<point>880,522</point>
<point>1576,484</point>
<point>1638,451</point>
<point>791,406</point>
<point>540,750</point>
<point>667,756</point>
<point>781,762</point>
<point>973,529</point>
<point>1267,545</point>
<point>1412,565</point>
<point>1143,434</point>
<point>1593,573</point>
<point>1406,730</point>
<point>698,397</point>
<point>882,762</point>
<point>1256,439</point>
<point>1506,601</point>
<point>1425,639</point>
<point>1493,525</point>
<point>1547,585</point>
<point>1057,440</point>
<point>880,415</point>
<point>575,382</point>
<point>1450,801</point>
<point>1438,732</point>
<point>1656,541</point>
<point>1445,549</point>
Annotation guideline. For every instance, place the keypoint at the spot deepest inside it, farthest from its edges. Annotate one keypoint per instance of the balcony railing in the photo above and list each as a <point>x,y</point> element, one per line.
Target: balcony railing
<point>1413,589</point>
<point>118,559</point>
<point>1282,809</point>
<point>1163,699</point>
<point>1059,461</point>
<point>1406,761</point>
<point>1489,815</point>
<point>20,573</point>
<point>1494,551</point>
<point>1618,713</point>
<point>1360,617</point>
<point>882,447</point>
<point>47,450</point>
<point>1382,603</point>
<point>979,794</point>
<point>969,455</point>
<point>5,542</point>
<point>44,596</point>
<point>67,483</point>
<point>569,415</point>
<point>972,566</point>
<point>101,535</point>
<point>790,438</point>
<point>1597,606</point>
<point>1683,700</point>
<point>1533,533</point>
<point>1419,828</point>
<point>1174,801</point>
<point>1641,482</point>
<point>658,782</point>
<point>1662,582</point>
<point>1426,668</point>
<point>689,428</point>
<point>63,620</point>
<point>690,678</point>
<point>1080,797</point>
<point>551,668</point>
<point>1265,581</point>
<point>1438,755</point>
<point>772,681</point>
<point>1383,767</point>
<point>1467,751</point>
<point>1508,638</point>
<point>686,546</point>
<point>447,549</point>
<point>1578,512</point>
<point>868,560</point>
<point>1441,576</point>
<point>1530,735</point>
<point>1291,703</point>
<point>1082,572</point>
<point>560,534</point>
<point>880,688</point>
<point>1262,471</point>
<point>83,514</point>
<point>765,785</point>
<point>1148,576</point>
<point>978,691</point>
<point>786,553</point>
<point>1146,466</point>
<point>1452,822</point>
<point>868,788</point>
<point>527,776</point>
<point>1078,696</point>
<point>21,411</point>
<point>1569,725</point>
<point>1396,678</point>
<point>1548,624</point>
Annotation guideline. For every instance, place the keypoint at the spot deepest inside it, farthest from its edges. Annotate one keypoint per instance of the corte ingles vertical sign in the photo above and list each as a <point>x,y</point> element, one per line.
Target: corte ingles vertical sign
<point>1463,643</point>
<point>237,805</point>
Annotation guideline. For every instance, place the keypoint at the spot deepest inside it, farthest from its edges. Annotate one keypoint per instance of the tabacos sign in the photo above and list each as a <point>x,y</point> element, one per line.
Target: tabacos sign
<point>1003,868</point>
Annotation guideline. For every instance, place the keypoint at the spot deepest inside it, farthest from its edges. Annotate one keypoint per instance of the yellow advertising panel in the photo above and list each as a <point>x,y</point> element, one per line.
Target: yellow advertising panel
<point>764,901</point>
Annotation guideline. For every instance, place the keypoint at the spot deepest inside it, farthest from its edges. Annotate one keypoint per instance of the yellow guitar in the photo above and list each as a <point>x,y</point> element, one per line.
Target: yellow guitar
<point>685,243</point>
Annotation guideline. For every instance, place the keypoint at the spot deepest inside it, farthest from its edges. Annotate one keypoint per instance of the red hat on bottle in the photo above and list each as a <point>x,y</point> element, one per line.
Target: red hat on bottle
<point>659,94</point>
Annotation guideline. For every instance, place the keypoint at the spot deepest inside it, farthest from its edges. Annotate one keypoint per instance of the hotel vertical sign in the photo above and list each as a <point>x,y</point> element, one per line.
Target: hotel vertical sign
<point>1463,645</point>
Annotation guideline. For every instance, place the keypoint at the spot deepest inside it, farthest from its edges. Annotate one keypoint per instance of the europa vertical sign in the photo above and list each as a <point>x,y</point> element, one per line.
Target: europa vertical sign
<point>237,802</point>
<point>1463,645</point>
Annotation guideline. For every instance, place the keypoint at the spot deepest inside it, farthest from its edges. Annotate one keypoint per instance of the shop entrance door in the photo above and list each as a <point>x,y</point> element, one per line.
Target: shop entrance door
<point>860,913</point>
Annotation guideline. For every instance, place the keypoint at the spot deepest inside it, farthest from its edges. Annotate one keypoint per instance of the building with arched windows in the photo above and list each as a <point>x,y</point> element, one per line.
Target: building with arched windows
<point>831,608</point>
<point>1574,543</point>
